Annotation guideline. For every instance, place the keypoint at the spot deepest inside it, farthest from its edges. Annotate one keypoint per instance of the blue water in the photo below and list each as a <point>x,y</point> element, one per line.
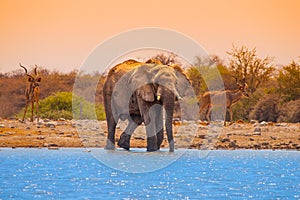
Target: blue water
<point>77,174</point>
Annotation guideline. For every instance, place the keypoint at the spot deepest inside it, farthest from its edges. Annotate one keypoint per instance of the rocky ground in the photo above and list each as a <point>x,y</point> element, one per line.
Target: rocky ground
<point>85,133</point>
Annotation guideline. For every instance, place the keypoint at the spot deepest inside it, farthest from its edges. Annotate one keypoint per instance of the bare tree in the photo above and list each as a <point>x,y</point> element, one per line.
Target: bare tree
<point>245,65</point>
<point>211,60</point>
<point>168,59</point>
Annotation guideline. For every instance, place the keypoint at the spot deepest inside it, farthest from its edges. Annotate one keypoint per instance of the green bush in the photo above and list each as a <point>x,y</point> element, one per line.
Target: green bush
<point>290,112</point>
<point>67,105</point>
<point>266,109</point>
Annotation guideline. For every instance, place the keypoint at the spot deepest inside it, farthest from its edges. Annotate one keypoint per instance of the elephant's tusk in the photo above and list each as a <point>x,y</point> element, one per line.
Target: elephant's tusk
<point>158,97</point>
<point>179,97</point>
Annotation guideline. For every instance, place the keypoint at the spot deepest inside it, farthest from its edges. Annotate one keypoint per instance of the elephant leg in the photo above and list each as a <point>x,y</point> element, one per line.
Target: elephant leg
<point>151,137</point>
<point>124,140</point>
<point>110,142</point>
<point>169,107</point>
<point>148,115</point>
<point>159,128</point>
<point>149,120</point>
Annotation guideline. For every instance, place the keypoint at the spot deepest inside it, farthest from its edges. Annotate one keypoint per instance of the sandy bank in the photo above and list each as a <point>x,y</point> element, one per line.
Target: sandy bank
<point>84,133</point>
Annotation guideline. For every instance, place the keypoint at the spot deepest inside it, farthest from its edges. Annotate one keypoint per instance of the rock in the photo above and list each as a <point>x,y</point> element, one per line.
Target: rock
<point>9,133</point>
<point>225,140</point>
<point>94,129</point>
<point>240,121</point>
<point>273,138</point>
<point>28,128</point>
<point>281,124</point>
<point>256,125</point>
<point>232,144</point>
<point>40,122</point>
<point>251,139</point>
<point>263,123</point>
<point>257,131</point>
<point>139,138</point>
<point>253,121</point>
<point>50,125</point>
<point>201,136</point>
<point>2,125</point>
<point>69,135</point>
<point>61,123</point>
<point>41,137</point>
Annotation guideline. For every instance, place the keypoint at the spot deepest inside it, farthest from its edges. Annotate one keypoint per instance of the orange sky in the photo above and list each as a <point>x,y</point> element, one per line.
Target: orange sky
<point>60,34</point>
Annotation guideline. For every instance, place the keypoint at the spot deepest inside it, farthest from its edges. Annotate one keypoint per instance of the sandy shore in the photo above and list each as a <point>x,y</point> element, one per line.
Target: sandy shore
<point>84,133</point>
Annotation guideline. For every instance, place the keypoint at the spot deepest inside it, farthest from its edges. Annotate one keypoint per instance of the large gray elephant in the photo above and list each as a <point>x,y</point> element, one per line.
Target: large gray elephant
<point>120,97</point>
<point>169,83</point>
<point>139,92</point>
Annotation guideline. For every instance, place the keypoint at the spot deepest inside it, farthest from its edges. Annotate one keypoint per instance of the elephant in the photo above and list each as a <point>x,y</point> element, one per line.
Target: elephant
<point>138,92</point>
<point>168,83</point>
<point>120,101</point>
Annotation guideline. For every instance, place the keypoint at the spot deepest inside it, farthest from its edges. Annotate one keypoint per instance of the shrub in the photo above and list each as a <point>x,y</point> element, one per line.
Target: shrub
<point>290,112</point>
<point>266,109</point>
<point>67,105</point>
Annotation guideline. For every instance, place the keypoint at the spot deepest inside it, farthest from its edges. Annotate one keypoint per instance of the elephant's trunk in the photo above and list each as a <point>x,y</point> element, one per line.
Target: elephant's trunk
<point>161,92</point>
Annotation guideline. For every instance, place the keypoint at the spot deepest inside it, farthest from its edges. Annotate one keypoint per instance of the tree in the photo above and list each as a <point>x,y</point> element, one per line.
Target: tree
<point>168,59</point>
<point>208,72</point>
<point>289,81</point>
<point>247,67</point>
<point>211,60</point>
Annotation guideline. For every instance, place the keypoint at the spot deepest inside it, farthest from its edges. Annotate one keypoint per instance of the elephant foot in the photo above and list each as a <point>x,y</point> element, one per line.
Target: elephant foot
<point>171,150</point>
<point>151,149</point>
<point>171,146</point>
<point>109,145</point>
<point>124,141</point>
<point>152,144</point>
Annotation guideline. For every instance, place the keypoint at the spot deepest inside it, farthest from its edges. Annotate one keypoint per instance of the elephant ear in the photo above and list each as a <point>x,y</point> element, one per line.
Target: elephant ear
<point>139,82</point>
<point>183,84</point>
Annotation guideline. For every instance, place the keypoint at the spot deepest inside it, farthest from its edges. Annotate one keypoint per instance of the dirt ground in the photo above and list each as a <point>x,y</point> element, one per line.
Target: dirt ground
<point>84,133</point>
